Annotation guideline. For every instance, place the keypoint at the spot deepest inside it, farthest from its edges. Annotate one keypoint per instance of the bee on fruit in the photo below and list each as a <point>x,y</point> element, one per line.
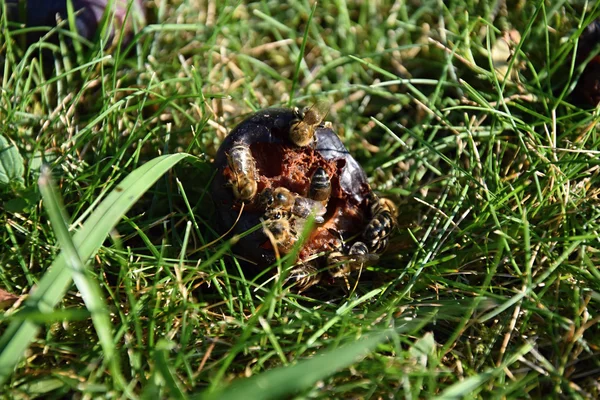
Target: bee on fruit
<point>341,265</point>
<point>242,164</point>
<point>302,130</point>
<point>383,222</point>
<point>281,232</point>
<point>304,276</point>
<point>282,201</point>
<point>320,186</point>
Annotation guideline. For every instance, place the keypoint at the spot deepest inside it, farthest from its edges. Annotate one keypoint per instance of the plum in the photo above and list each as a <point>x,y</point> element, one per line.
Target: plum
<point>259,155</point>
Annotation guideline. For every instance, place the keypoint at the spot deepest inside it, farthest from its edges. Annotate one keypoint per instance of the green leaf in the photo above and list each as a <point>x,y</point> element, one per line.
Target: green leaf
<point>288,380</point>
<point>423,348</point>
<point>54,284</point>
<point>11,163</point>
<point>23,201</point>
<point>84,280</point>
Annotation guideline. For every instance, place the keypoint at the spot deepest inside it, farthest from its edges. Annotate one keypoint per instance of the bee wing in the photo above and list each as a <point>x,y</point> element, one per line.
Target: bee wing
<point>322,106</point>
<point>316,113</point>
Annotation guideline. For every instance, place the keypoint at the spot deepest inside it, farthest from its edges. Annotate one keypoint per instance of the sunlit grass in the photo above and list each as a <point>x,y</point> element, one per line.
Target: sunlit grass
<point>489,288</point>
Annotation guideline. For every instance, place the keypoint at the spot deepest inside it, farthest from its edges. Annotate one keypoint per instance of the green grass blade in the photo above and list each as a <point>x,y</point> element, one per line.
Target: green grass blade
<point>56,281</point>
<point>283,381</point>
<point>464,389</point>
<point>87,285</point>
<point>162,364</point>
<point>301,55</point>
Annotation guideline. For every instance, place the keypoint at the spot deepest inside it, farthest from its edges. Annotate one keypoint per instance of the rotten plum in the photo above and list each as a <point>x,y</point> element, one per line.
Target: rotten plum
<point>266,179</point>
<point>588,86</point>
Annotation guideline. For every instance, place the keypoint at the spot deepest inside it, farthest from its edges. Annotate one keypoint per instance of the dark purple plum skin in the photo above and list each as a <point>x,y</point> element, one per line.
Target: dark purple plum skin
<point>271,126</point>
<point>42,13</point>
<point>587,91</point>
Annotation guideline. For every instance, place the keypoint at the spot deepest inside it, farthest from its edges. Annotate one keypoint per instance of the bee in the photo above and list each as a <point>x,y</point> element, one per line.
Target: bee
<point>302,130</point>
<point>339,265</point>
<point>383,222</point>
<point>281,232</point>
<point>357,257</point>
<point>320,186</point>
<point>281,201</point>
<point>242,164</point>
<point>304,276</point>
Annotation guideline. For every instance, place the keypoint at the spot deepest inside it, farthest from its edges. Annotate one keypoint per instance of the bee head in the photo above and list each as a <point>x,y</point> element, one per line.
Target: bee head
<point>266,197</point>
<point>274,215</point>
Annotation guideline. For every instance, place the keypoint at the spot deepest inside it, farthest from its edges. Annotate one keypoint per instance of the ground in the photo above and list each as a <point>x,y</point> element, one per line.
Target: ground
<point>465,113</point>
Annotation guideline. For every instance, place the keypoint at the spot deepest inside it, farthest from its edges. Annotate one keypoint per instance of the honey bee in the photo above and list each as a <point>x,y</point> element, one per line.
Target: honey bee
<point>381,225</point>
<point>242,164</point>
<point>281,232</point>
<point>304,276</point>
<point>302,130</point>
<point>281,201</point>
<point>341,265</point>
<point>320,186</point>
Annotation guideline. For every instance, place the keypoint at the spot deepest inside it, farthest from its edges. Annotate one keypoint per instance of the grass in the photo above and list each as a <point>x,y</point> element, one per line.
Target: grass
<point>490,288</point>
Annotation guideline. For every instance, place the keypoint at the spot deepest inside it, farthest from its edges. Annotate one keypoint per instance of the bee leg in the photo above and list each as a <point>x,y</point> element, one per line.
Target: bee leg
<point>347,282</point>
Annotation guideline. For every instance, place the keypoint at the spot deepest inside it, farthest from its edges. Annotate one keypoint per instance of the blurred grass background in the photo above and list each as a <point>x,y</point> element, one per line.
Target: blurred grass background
<point>460,111</point>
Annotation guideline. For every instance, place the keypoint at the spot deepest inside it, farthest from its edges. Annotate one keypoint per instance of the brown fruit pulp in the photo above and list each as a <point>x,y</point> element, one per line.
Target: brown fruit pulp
<point>281,163</point>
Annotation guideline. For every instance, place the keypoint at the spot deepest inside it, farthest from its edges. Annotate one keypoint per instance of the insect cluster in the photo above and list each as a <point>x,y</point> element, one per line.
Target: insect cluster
<point>281,167</point>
